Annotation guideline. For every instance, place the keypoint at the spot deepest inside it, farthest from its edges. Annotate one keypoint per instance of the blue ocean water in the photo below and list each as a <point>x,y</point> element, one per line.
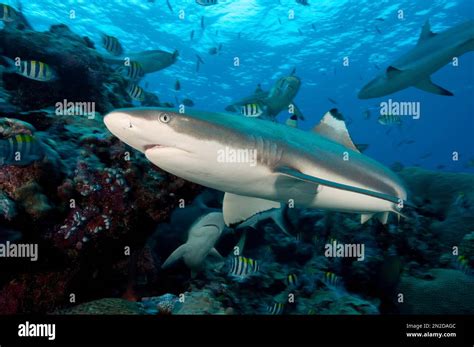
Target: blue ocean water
<point>269,43</point>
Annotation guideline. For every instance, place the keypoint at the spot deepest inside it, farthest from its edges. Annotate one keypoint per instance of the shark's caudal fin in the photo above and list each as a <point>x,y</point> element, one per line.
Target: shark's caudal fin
<point>428,86</point>
<point>333,127</point>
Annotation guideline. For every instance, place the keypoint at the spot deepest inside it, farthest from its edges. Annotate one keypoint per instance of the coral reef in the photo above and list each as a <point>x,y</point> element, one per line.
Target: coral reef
<point>444,292</point>
<point>107,306</point>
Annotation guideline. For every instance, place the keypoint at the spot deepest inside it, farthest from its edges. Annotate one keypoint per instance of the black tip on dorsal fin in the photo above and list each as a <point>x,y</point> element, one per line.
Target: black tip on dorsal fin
<point>294,117</point>
<point>336,114</point>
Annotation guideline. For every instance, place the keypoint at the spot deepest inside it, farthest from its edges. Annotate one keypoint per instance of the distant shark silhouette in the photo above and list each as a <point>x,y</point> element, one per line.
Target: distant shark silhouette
<point>151,61</point>
<point>414,68</point>
<point>279,97</point>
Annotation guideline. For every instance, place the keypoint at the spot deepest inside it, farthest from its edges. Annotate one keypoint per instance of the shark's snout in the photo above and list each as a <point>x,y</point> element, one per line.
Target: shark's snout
<point>116,120</point>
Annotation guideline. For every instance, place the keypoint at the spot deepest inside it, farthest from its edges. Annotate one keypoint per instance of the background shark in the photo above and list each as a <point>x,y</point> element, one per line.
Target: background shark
<point>307,168</point>
<point>202,237</point>
<point>414,68</point>
<point>279,98</point>
<point>151,61</point>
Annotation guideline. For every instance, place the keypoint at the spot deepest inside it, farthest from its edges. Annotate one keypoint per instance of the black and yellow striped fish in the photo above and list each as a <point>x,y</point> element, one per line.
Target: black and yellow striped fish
<point>136,92</point>
<point>330,279</point>
<point>292,280</point>
<point>7,14</point>
<point>36,70</point>
<point>389,119</point>
<point>112,45</point>
<point>242,267</point>
<point>251,110</point>
<point>134,71</point>
<point>462,263</point>
<point>276,309</point>
<point>20,150</point>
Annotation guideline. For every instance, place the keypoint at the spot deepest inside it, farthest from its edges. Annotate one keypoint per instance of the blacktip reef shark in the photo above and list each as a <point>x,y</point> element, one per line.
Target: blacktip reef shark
<point>431,53</point>
<point>279,98</point>
<point>202,237</point>
<point>305,168</point>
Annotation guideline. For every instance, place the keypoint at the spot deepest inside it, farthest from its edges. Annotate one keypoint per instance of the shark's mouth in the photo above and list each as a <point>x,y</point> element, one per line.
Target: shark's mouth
<point>147,147</point>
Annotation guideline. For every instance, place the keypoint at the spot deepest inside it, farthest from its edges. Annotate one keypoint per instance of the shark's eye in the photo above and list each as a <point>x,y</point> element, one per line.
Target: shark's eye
<point>165,117</point>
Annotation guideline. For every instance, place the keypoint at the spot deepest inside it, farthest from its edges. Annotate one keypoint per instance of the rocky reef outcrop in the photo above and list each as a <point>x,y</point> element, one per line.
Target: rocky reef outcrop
<point>89,202</point>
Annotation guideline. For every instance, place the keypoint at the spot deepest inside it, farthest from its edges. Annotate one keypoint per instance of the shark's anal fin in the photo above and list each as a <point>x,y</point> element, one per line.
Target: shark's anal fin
<point>237,208</point>
<point>175,256</point>
<point>333,127</point>
<point>428,86</point>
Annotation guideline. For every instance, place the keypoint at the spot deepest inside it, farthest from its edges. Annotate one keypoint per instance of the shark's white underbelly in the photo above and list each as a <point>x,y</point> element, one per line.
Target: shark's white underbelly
<point>259,181</point>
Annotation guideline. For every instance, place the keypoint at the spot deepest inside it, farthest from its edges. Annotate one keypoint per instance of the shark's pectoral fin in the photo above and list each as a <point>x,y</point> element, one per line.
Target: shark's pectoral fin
<point>333,127</point>
<point>238,208</point>
<point>428,86</point>
<point>291,172</point>
<point>392,71</point>
<point>175,256</point>
<point>215,253</point>
<point>467,46</point>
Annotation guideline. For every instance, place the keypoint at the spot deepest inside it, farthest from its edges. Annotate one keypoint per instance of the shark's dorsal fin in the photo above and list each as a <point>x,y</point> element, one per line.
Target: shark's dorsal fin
<point>426,33</point>
<point>392,71</point>
<point>333,127</point>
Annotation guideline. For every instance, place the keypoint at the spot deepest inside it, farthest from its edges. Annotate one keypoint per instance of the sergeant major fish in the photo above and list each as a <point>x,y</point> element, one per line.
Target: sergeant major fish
<point>136,92</point>
<point>32,69</point>
<point>7,13</point>
<point>112,45</point>
<point>251,110</point>
<point>133,71</point>
<point>242,267</point>
<point>20,150</point>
